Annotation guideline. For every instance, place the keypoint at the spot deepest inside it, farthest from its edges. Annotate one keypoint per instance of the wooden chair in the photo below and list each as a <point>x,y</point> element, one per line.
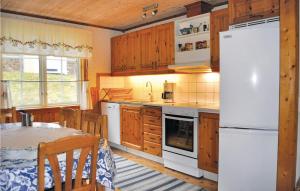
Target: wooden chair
<point>8,115</point>
<point>94,124</point>
<point>69,118</point>
<point>87,144</point>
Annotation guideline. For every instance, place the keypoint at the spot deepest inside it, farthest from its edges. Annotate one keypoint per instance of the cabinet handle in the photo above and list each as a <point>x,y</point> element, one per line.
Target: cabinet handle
<point>256,16</point>
<point>151,113</point>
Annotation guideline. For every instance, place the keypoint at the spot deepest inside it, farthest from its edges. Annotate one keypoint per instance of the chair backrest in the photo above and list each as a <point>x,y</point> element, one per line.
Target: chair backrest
<point>69,118</point>
<point>87,144</point>
<point>95,99</point>
<point>8,115</point>
<point>94,123</point>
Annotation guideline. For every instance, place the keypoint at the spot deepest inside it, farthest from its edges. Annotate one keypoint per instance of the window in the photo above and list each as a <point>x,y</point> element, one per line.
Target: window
<point>41,80</point>
<point>62,78</point>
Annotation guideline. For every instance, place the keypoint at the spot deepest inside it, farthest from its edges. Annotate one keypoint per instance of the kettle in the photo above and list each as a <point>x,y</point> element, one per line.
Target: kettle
<point>26,119</point>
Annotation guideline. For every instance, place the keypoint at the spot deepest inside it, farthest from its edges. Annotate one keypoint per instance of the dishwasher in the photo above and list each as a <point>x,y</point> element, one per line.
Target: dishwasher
<point>112,110</point>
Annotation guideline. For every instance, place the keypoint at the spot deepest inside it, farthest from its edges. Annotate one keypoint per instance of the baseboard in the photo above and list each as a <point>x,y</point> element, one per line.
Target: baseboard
<point>137,153</point>
<point>210,175</point>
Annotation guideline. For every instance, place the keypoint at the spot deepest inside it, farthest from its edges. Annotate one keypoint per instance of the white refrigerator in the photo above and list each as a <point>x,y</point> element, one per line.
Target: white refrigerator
<point>249,108</point>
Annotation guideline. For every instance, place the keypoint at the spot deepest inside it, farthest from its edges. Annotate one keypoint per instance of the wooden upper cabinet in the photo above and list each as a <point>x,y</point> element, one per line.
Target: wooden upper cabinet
<point>249,10</point>
<point>119,54</point>
<point>123,51</point>
<point>165,45</point>
<point>116,65</point>
<point>219,21</point>
<point>208,142</point>
<point>131,127</point>
<point>133,53</point>
<point>148,49</point>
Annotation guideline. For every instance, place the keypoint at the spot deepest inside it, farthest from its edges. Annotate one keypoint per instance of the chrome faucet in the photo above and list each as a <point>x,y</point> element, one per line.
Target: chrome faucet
<point>151,92</point>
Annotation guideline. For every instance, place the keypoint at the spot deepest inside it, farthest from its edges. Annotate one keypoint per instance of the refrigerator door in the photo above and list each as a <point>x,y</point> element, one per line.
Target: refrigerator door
<point>247,160</point>
<point>249,78</point>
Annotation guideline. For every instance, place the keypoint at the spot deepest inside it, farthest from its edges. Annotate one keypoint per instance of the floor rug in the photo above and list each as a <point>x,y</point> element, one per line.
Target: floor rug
<point>132,176</point>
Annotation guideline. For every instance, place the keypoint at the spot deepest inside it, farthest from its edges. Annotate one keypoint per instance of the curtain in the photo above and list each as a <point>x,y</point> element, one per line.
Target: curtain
<point>5,95</point>
<point>84,96</point>
<point>28,37</point>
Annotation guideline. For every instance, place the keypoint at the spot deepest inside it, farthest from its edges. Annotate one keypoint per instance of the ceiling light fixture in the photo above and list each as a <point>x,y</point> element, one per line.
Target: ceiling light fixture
<point>153,8</point>
<point>154,12</point>
<point>144,15</point>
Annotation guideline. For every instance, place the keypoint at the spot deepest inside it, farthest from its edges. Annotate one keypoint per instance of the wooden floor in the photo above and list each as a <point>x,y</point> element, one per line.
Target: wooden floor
<point>205,183</point>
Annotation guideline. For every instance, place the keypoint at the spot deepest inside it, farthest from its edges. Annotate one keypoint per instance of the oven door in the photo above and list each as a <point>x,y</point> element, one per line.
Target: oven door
<point>180,135</point>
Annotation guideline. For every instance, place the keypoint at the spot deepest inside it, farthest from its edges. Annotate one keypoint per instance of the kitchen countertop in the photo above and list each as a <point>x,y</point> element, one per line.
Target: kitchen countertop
<point>209,108</point>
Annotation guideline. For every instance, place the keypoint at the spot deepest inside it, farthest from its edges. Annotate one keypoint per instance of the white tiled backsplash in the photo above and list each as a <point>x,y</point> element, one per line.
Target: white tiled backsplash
<point>202,88</point>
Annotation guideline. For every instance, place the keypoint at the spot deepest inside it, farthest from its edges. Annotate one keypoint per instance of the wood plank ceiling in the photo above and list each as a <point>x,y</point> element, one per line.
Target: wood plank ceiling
<point>117,14</point>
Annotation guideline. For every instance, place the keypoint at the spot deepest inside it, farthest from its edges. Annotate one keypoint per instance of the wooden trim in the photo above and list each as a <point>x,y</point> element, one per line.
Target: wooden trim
<point>84,65</point>
<point>58,19</point>
<point>141,73</point>
<point>198,8</point>
<point>289,79</point>
<point>98,75</point>
<point>47,114</point>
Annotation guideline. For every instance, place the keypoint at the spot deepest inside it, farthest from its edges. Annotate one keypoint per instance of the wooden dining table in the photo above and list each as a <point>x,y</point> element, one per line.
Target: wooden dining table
<point>18,156</point>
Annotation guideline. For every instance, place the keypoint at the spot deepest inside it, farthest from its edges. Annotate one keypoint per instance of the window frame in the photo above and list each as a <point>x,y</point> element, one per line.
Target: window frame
<point>43,82</point>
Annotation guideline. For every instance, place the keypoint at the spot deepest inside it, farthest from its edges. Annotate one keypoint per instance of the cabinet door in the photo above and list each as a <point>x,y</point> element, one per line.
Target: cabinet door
<point>131,127</point>
<point>133,52</point>
<point>165,45</point>
<point>208,142</point>
<point>116,65</point>
<point>218,23</point>
<point>248,10</point>
<point>148,49</point>
<point>123,52</point>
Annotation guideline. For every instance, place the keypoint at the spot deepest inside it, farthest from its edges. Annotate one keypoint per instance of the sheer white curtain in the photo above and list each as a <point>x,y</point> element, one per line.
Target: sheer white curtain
<point>28,37</point>
<point>5,95</point>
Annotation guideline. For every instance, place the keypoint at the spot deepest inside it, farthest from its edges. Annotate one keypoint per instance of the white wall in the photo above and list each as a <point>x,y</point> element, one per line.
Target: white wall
<point>101,60</point>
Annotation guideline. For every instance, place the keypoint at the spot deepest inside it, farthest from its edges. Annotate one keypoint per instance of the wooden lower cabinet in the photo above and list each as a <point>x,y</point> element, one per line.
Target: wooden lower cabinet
<point>152,130</point>
<point>208,142</point>
<point>152,148</point>
<point>131,126</point>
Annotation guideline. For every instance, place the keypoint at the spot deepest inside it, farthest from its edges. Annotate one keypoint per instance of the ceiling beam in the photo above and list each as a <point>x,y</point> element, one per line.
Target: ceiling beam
<point>58,19</point>
<point>289,87</point>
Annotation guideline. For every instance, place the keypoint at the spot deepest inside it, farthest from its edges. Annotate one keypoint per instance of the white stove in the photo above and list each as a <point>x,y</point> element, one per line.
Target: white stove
<point>180,139</point>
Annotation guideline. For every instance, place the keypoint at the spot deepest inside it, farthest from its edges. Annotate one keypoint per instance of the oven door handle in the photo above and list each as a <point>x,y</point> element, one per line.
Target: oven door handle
<point>178,118</point>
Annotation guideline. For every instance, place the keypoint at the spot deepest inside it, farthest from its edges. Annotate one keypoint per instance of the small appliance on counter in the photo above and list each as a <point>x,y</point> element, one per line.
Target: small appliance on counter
<point>26,119</point>
<point>168,94</point>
